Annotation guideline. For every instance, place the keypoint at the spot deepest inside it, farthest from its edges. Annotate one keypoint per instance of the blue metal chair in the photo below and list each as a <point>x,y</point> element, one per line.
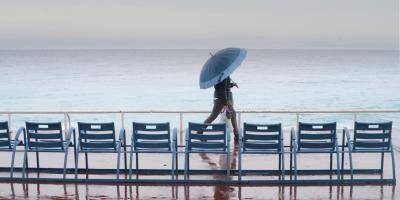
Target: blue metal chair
<point>215,138</point>
<point>370,138</point>
<point>261,139</point>
<point>8,145</point>
<point>314,138</point>
<point>99,138</point>
<point>153,138</point>
<point>46,137</point>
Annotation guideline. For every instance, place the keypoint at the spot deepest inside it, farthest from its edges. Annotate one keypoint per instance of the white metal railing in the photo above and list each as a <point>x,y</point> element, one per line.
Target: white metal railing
<point>297,113</point>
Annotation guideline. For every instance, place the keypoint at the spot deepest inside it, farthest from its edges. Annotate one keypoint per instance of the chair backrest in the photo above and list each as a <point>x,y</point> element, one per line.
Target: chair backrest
<point>316,135</point>
<point>97,135</point>
<point>261,136</point>
<point>372,135</point>
<point>212,137</point>
<point>4,135</point>
<point>147,136</point>
<point>44,135</point>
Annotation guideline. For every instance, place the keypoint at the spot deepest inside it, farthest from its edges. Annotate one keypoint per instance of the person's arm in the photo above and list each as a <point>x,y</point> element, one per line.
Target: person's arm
<point>233,84</point>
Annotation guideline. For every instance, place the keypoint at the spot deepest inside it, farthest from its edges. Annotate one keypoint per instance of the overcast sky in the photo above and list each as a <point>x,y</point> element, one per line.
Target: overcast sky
<point>266,24</point>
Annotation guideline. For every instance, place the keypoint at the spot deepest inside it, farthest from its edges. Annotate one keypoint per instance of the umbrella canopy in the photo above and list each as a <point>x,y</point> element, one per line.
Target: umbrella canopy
<point>220,65</point>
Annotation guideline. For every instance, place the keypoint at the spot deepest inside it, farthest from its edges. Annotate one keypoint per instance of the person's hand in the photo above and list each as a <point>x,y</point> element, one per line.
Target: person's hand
<point>235,85</point>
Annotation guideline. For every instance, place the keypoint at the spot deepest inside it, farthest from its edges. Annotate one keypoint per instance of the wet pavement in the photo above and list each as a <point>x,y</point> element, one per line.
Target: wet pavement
<point>201,161</point>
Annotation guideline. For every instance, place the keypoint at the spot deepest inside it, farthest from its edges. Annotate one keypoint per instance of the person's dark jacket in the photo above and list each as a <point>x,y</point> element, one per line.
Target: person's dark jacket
<point>223,90</point>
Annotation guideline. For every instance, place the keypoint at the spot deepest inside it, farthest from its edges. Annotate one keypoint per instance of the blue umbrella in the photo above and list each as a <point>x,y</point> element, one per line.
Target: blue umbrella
<point>220,65</point>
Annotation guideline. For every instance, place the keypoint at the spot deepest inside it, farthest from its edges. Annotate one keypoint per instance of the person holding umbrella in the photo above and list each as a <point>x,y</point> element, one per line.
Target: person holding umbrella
<point>215,72</point>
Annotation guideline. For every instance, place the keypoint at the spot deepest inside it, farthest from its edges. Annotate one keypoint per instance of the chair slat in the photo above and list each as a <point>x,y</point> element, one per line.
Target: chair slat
<point>372,126</point>
<point>43,126</point>
<point>248,136</point>
<point>262,127</point>
<point>371,135</point>
<point>152,136</point>
<point>4,143</point>
<point>369,144</point>
<point>248,145</point>
<point>45,135</point>
<point>47,144</point>
<point>96,126</point>
<point>316,136</point>
<point>206,127</point>
<point>97,145</point>
<point>152,145</point>
<point>4,135</point>
<point>317,126</point>
<point>150,126</point>
<point>207,136</point>
<point>4,125</point>
<point>207,145</point>
<point>97,136</point>
<point>316,145</point>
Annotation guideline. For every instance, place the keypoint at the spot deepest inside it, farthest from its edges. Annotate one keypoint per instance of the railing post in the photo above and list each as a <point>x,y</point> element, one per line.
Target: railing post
<point>297,121</point>
<point>354,116</point>
<point>240,119</point>
<point>66,127</point>
<point>122,120</point>
<point>69,120</point>
<point>180,128</point>
<point>9,121</point>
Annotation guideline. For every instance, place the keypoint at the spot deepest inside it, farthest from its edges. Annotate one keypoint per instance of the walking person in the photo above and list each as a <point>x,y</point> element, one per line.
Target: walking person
<point>223,101</point>
<point>216,72</point>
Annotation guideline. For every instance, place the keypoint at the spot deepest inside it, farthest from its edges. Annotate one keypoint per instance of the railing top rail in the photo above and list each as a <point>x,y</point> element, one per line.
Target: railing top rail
<point>198,111</point>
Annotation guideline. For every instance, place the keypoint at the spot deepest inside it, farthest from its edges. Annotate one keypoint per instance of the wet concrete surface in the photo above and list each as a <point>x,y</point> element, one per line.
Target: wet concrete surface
<point>200,161</point>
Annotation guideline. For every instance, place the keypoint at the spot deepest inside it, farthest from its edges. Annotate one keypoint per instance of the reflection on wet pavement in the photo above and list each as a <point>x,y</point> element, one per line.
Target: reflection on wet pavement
<point>223,192</point>
<point>76,191</point>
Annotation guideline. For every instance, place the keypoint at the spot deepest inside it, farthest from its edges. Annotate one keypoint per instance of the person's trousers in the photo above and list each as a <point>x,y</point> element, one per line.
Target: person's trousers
<point>217,108</point>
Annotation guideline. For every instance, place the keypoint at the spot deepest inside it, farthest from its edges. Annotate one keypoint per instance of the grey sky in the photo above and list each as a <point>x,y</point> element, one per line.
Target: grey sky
<point>304,24</point>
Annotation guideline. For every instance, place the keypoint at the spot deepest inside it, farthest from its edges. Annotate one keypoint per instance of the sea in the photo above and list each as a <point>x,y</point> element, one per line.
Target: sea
<point>145,80</point>
<point>113,80</point>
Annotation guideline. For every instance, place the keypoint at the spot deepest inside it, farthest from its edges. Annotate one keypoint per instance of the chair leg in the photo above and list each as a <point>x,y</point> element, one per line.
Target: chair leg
<point>343,145</point>
<point>228,165</point>
<point>25,163</point>
<point>186,165</point>
<point>240,165</point>
<point>393,165</point>
<point>137,165</point>
<point>283,166</point>
<point>176,164</point>
<point>295,166</point>
<point>12,164</point>
<point>382,160</point>
<point>65,163</point>
<point>291,162</point>
<point>118,162</point>
<point>279,161</point>
<point>130,163</point>
<point>76,163</point>
<point>337,164</point>
<point>331,164</point>
<point>86,163</point>
<point>351,165</point>
<point>37,160</point>
<point>172,165</point>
